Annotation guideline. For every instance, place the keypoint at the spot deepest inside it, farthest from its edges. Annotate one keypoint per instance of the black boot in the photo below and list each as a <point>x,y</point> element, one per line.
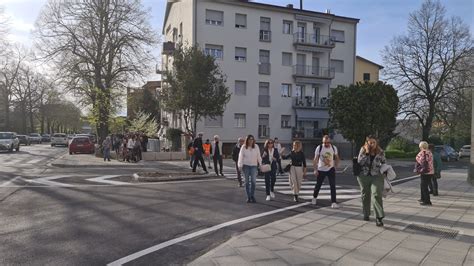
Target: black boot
<point>378,222</point>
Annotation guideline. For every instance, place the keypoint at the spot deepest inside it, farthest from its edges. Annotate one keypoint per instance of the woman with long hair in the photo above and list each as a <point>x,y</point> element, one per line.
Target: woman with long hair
<point>270,156</point>
<point>371,181</point>
<point>249,160</point>
<point>297,168</point>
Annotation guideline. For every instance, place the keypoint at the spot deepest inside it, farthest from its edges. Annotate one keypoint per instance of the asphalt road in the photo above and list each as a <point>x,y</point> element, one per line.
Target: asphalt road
<point>43,223</point>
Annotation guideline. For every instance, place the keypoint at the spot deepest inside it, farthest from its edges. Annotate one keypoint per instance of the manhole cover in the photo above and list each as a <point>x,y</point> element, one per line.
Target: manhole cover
<point>431,230</point>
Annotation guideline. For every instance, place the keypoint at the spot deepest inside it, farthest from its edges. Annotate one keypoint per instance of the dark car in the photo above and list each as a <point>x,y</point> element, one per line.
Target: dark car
<point>24,139</point>
<point>81,145</point>
<point>46,138</point>
<point>447,153</point>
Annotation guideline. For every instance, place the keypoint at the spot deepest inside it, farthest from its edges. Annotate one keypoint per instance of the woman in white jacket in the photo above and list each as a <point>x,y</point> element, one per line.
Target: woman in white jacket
<point>249,160</point>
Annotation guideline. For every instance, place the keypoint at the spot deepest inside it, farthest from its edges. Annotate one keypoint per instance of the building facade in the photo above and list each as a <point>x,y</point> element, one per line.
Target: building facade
<point>280,62</point>
<point>366,70</point>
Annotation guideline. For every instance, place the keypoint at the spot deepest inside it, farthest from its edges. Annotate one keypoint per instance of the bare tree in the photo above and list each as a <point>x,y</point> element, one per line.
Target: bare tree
<point>422,61</point>
<point>98,46</point>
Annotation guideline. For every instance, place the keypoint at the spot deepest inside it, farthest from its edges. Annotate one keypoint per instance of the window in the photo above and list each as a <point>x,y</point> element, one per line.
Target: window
<point>366,76</point>
<point>285,90</point>
<point>180,36</point>
<point>240,21</point>
<point>265,32</point>
<point>264,63</point>
<point>337,35</point>
<point>286,59</point>
<point>214,17</point>
<point>287,27</point>
<point>175,34</point>
<point>286,121</point>
<point>264,94</point>
<point>338,65</point>
<point>214,50</point>
<point>263,126</point>
<point>240,54</point>
<point>213,122</point>
<point>240,87</point>
<point>239,120</point>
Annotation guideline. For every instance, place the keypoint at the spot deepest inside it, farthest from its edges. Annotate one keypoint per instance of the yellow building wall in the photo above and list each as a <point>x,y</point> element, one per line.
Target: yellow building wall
<point>366,67</point>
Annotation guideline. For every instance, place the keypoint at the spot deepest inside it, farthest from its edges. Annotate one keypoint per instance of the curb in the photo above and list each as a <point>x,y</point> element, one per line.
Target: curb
<point>136,176</point>
<point>59,165</point>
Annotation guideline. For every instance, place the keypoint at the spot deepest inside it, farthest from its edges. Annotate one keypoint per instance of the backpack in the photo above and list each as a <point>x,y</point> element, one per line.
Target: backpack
<point>333,150</point>
<point>423,167</point>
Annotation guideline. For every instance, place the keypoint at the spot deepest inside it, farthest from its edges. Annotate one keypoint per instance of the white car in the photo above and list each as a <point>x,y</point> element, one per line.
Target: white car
<point>35,137</point>
<point>465,151</point>
<point>9,141</point>
<point>59,139</point>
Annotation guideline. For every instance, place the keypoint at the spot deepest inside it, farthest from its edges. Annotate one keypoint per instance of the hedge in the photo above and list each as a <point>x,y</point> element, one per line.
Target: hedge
<point>397,154</point>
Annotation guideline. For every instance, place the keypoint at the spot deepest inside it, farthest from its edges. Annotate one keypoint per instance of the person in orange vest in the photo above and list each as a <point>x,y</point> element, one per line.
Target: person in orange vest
<point>207,152</point>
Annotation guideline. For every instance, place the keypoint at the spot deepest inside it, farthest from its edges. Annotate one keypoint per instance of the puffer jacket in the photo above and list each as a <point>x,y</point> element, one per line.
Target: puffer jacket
<point>364,161</point>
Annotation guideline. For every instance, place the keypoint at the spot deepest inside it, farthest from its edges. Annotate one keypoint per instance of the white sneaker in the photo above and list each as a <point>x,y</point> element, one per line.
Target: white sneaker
<point>268,198</point>
<point>313,201</point>
<point>272,195</point>
<point>334,205</point>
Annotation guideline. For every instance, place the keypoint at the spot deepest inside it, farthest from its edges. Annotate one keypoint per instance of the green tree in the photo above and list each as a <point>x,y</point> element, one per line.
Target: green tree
<point>194,86</point>
<point>144,100</point>
<point>143,123</point>
<point>364,109</point>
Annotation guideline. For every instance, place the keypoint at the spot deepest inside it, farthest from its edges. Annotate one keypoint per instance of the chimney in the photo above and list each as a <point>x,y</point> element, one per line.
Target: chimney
<point>301,4</point>
<point>290,6</point>
<point>328,11</point>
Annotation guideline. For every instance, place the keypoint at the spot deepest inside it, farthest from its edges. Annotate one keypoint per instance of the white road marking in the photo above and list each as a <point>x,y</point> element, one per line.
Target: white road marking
<point>103,179</point>
<point>394,182</point>
<point>47,181</point>
<point>6,184</point>
<point>34,161</point>
<point>171,242</point>
<point>327,197</point>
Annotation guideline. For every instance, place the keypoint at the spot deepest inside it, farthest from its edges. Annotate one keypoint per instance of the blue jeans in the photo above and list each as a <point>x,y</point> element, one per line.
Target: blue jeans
<point>250,175</point>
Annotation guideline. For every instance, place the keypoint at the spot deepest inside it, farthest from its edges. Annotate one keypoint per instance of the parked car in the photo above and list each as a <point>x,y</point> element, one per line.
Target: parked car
<point>447,153</point>
<point>465,151</point>
<point>35,137</point>
<point>91,137</point>
<point>81,145</point>
<point>24,139</point>
<point>45,138</point>
<point>9,141</point>
<point>59,139</point>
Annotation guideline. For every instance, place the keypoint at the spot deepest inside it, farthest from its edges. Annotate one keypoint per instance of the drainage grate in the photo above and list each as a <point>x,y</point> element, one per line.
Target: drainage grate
<point>432,231</point>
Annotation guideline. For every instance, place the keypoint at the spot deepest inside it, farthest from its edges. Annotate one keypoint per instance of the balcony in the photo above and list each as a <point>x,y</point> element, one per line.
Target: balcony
<point>313,42</point>
<point>265,36</point>
<point>313,75</point>
<point>263,100</point>
<point>168,48</point>
<point>264,68</point>
<point>310,102</point>
<point>307,133</point>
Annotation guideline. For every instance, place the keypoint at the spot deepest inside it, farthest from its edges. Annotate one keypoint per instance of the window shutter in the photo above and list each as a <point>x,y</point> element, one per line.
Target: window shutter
<point>241,52</point>
<point>241,19</point>
<point>214,15</point>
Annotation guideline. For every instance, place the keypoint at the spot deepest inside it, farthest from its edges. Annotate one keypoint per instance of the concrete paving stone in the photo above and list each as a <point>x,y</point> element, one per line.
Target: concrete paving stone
<point>313,226</point>
<point>300,220</point>
<point>432,262</point>
<point>343,228</point>
<point>347,243</point>
<point>359,235</point>
<point>231,260</point>
<point>329,220</point>
<point>296,233</point>
<point>371,227</point>
<point>391,261</point>
<point>272,262</point>
<point>448,256</point>
<point>357,258</point>
<point>309,242</point>
<point>296,257</point>
<point>453,245</point>
<point>380,244</point>
<point>417,245</point>
<point>420,237</point>
<point>405,255</point>
<point>272,244</point>
<point>313,215</point>
<point>393,235</point>
<point>469,260</point>
<point>255,253</point>
<point>257,234</point>
<point>329,252</point>
<point>327,234</point>
<point>203,261</point>
<point>242,241</point>
<point>356,221</point>
<point>283,226</point>
<point>222,251</point>
<point>270,231</point>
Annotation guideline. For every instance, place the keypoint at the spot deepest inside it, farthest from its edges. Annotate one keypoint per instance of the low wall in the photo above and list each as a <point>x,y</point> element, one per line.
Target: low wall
<point>163,156</point>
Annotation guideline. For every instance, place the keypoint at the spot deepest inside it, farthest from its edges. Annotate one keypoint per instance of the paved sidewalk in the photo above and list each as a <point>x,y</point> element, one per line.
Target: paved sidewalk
<point>340,237</point>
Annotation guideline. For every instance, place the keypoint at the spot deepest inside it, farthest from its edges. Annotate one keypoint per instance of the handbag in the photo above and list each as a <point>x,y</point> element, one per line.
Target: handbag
<point>264,168</point>
<point>356,168</point>
<point>287,168</point>
<point>387,187</point>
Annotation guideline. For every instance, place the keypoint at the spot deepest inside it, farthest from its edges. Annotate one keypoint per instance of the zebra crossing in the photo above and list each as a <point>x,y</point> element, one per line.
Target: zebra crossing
<point>24,161</point>
<point>282,186</point>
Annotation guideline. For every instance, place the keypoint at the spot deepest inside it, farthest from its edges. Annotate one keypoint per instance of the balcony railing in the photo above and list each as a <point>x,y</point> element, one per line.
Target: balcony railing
<point>168,48</point>
<point>312,71</point>
<point>264,68</point>
<point>263,100</point>
<point>307,133</point>
<point>311,102</point>
<point>265,36</point>
<point>313,39</point>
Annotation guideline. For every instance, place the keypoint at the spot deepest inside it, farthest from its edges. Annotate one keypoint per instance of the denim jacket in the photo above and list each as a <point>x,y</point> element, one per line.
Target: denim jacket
<point>364,161</point>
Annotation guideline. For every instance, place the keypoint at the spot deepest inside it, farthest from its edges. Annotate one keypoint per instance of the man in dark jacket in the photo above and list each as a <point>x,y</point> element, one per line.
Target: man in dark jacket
<point>198,152</point>
<point>235,158</point>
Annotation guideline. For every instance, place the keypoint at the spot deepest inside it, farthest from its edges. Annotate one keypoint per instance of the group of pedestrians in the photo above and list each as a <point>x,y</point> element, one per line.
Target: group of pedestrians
<point>129,146</point>
<point>198,150</point>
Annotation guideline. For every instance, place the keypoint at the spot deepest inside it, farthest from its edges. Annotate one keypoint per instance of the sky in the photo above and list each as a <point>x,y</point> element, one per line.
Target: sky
<point>380,20</point>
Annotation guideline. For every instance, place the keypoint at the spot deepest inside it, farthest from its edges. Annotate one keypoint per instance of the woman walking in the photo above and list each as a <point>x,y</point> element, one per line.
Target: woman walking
<point>270,156</point>
<point>249,160</point>
<point>297,168</point>
<point>424,162</point>
<point>371,181</point>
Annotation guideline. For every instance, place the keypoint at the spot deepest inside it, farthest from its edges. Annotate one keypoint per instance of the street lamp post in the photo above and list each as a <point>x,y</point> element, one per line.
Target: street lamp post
<point>470,175</point>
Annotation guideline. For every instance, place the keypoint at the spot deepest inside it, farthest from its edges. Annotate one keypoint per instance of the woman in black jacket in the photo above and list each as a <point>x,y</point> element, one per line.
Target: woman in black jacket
<point>270,156</point>
<point>297,169</point>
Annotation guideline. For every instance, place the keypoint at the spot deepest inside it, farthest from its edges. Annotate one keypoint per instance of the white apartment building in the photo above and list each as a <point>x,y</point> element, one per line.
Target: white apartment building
<point>280,62</point>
